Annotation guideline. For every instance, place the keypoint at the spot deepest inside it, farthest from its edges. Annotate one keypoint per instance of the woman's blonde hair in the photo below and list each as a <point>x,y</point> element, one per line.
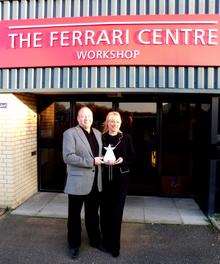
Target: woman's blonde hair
<point>109,116</point>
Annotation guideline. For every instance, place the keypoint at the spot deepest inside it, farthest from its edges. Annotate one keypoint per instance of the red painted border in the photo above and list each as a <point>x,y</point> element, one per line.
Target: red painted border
<point>174,40</point>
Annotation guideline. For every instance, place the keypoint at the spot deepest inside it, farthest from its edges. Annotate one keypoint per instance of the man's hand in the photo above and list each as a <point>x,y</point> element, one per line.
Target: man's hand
<point>119,160</point>
<point>112,163</point>
<point>98,160</point>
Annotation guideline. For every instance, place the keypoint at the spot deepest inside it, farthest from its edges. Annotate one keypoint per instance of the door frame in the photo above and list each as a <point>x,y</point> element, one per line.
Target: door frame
<point>72,117</point>
<point>158,99</point>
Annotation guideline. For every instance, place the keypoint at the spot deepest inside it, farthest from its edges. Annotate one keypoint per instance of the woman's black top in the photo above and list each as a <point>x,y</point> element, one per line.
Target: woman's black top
<point>123,148</point>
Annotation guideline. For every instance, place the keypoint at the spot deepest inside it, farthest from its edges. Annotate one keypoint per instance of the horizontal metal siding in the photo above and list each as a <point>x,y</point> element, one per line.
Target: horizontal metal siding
<point>198,78</point>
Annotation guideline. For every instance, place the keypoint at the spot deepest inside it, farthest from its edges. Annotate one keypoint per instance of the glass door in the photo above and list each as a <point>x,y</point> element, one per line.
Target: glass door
<point>214,181</point>
<point>54,119</point>
<point>184,150</point>
<point>140,121</point>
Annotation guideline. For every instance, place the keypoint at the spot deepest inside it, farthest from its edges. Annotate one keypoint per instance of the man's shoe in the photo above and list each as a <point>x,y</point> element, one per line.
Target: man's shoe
<point>115,253</point>
<point>74,252</point>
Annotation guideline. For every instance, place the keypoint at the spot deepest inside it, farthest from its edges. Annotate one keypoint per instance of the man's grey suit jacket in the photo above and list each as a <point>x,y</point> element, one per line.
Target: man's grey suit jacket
<point>77,154</point>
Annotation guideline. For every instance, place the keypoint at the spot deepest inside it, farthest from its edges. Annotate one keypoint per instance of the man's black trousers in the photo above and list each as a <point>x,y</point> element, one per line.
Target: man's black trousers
<point>91,206</point>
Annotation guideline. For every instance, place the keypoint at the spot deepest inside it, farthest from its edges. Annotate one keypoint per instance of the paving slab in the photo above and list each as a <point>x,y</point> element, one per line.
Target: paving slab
<point>162,215</point>
<point>58,207</point>
<point>161,210</point>
<point>185,203</point>
<point>159,202</point>
<point>134,209</point>
<point>138,209</point>
<point>193,217</point>
<point>35,204</point>
<point>190,212</point>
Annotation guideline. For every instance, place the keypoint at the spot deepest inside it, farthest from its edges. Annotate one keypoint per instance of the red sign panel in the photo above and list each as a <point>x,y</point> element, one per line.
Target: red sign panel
<point>178,40</point>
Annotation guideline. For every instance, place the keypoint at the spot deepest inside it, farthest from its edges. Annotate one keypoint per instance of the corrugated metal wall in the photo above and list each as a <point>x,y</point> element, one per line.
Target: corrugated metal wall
<point>197,78</point>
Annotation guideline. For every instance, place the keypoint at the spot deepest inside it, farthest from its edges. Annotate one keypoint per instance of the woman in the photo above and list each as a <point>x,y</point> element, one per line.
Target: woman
<point>115,182</point>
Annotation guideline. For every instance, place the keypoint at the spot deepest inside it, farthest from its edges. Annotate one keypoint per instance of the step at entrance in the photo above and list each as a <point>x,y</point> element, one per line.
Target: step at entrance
<point>140,209</point>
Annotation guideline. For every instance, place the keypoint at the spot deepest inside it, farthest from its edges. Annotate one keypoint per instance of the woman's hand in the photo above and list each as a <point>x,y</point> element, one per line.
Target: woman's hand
<point>119,160</point>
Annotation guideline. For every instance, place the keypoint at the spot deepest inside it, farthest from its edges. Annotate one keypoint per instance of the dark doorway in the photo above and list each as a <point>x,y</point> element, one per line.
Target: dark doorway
<point>185,141</point>
<point>214,179</point>
<point>54,119</point>
<point>171,139</point>
<point>140,121</point>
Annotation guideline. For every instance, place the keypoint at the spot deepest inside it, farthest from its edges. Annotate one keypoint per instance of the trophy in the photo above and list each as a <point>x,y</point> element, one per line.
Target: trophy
<point>109,157</point>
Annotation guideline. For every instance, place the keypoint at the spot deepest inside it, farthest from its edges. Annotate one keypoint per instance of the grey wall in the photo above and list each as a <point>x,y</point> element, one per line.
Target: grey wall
<point>193,79</point>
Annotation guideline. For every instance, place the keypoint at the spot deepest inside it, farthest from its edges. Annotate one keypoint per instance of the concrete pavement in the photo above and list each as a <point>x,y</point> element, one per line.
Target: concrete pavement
<point>138,209</point>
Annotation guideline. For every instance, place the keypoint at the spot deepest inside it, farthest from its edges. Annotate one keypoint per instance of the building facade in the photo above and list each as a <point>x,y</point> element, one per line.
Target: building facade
<point>171,111</point>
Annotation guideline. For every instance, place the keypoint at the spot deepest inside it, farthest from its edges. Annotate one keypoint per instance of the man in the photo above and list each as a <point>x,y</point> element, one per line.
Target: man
<point>82,148</point>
